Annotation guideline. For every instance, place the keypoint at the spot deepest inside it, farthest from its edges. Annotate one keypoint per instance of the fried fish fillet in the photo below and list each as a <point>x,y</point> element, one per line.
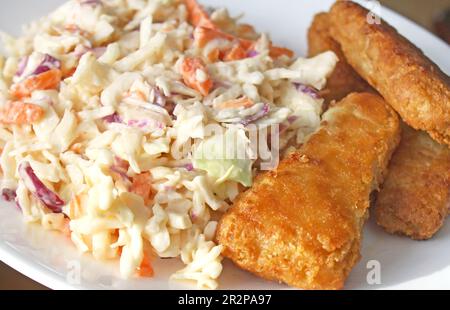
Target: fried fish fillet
<point>415,87</point>
<point>405,203</point>
<point>415,197</point>
<point>301,223</point>
<point>344,80</point>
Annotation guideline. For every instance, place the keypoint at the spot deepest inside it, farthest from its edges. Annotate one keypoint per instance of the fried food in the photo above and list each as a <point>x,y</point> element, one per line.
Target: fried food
<point>344,80</point>
<point>301,223</point>
<point>405,204</point>
<point>415,87</point>
<point>415,197</point>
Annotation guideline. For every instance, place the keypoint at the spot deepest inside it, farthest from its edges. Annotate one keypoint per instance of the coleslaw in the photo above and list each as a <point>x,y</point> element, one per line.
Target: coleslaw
<point>113,115</point>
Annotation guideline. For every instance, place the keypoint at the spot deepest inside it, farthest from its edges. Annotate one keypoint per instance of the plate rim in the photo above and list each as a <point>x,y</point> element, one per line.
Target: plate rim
<point>51,279</point>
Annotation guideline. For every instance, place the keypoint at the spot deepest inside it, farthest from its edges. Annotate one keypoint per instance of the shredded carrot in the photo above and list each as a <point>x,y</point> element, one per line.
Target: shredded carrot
<point>236,53</point>
<point>116,234</point>
<point>115,238</point>
<point>198,16</point>
<point>20,113</point>
<point>276,52</point>
<point>214,55</point>
<point>242,102</point>
<point>146,268</point>
<point>246,44</point>
<point>206,31</point>
<point>203,35</point>
<point>189,69</point>
<point>46,80</point>
<point>142,186</point>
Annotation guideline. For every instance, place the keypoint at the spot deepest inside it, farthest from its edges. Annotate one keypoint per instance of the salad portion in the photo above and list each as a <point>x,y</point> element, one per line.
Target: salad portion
<point>129,125</point>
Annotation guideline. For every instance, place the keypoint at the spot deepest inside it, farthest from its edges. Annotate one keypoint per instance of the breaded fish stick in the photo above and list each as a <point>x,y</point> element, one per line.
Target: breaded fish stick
<point>415,197</point>
<point>344,80</point>
<point>301,223</point>
<point>405,204</point>
<point>415,87</point>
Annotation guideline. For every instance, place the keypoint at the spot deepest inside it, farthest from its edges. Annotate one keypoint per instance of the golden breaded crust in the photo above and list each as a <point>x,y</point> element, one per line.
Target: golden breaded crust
<point>344,80</point>
<point>415,197</point>
<point>417,89</point>
<point>301,223</point>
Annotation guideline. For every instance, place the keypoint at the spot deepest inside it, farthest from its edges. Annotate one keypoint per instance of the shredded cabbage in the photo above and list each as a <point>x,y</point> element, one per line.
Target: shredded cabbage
<point>225,157</point>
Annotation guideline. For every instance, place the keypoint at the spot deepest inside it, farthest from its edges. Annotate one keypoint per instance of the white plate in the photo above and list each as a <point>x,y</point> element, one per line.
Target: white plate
<point>52,260</point>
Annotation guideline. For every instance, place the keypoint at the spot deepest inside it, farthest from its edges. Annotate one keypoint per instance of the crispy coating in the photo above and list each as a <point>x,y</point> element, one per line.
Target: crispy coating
<point>301,223</point>
<point>344,80</point>
<point>415,197</point>
<point>405,204</point>
<point>415,87</point>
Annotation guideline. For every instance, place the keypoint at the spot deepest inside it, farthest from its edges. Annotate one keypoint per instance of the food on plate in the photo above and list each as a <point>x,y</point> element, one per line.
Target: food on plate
<point>105,105</point>
<point>414,199</point>
<point>405,203</point>
<point>344,79</point>
<point>417,89</point>
<point>302,222</point>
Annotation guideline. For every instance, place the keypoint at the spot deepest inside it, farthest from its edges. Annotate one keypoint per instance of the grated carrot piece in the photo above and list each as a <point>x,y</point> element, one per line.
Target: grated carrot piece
<point>203,35</point>
<point>189,69</point>
<point>242,102</point>
<point>236,53</point>
<point>146,268</point>
<point>20,113</point>
<point>46,80</point>
<point>276,52</point>
<point>214,55</point>
<point>197,15</point>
